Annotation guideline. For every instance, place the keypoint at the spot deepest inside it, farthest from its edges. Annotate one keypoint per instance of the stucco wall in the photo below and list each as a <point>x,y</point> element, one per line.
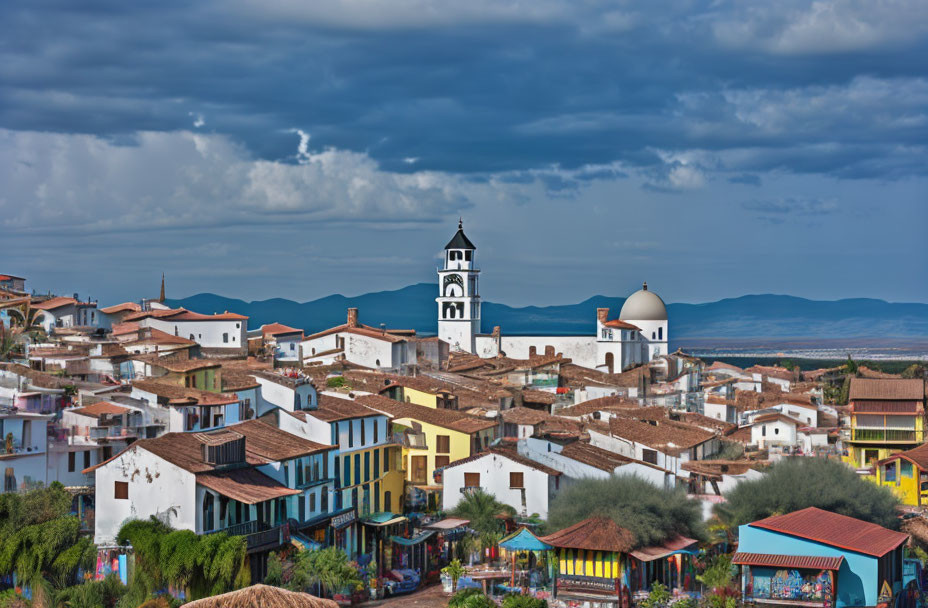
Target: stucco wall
<point>156,487</point>
<point>582,350</point>
<point>494,473</point>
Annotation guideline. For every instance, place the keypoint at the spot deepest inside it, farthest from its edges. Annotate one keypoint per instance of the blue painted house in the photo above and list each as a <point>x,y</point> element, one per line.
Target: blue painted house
<point>818,558</point>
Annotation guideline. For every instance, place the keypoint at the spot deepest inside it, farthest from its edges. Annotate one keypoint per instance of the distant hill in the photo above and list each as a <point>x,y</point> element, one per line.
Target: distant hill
<point>746,318</point>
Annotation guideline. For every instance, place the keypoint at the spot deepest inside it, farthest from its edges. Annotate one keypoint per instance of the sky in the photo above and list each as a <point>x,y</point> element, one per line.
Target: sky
<point>294,149</point>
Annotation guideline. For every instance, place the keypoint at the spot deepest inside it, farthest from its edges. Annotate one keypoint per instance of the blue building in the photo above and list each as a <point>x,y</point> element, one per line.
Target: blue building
<point>817,558</point>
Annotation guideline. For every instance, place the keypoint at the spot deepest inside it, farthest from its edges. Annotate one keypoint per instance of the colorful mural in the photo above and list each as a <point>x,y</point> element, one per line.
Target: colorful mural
<point>807,585</point>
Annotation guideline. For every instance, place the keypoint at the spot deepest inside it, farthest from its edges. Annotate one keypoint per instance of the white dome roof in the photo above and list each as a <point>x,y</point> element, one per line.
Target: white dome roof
<point>643,305</point>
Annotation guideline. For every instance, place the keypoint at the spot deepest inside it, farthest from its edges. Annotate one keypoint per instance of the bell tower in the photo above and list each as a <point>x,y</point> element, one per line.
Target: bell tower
<point>459,297</point>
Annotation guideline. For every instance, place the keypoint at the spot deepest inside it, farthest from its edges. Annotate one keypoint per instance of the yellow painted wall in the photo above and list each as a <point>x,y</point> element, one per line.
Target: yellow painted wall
<point>420,398</point>
<point>905,486</point>
<point>599,564</point>
<point>391,481</point>
<point>460,445</point>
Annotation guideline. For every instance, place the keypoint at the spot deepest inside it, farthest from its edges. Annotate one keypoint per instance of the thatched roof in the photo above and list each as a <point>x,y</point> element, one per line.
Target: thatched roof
<point>262,596</point>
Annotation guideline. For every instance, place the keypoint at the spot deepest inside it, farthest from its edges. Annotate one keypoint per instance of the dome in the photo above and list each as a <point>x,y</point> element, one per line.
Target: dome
<point>643,305</point>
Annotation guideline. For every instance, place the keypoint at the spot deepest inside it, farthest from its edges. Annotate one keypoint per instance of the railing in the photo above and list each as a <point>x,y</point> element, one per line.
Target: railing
<point>105,432</point>
<point>257,535</point>
<point>888,435</point>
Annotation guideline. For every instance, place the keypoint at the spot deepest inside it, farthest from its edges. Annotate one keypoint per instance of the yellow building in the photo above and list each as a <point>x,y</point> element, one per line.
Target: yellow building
<point>432,438</point>
<point>887,417</point>
<point>421,391</point>
<point>906,474</point>
<point>592,558</point>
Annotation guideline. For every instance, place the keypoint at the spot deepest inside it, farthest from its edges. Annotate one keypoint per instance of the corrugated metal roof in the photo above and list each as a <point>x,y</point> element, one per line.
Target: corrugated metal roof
<point>813,562</point>
<point>836,530</point>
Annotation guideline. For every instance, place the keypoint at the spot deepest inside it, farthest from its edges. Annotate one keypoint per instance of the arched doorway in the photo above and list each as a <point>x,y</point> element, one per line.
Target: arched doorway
<point>610,362</point>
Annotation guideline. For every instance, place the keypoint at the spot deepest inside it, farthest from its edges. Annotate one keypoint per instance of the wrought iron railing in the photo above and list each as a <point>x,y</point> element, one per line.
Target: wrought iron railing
<point>888,435</point>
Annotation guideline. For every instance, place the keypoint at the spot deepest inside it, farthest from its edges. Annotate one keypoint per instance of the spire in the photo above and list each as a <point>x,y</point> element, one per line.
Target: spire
<point>459,241</point>
<point>161,298</point>
<point>460,223</point>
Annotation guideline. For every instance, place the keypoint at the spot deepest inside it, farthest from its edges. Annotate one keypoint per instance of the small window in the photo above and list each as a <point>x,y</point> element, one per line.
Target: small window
<point>376,437</point>
<point>516,480</point>
<point>377,362</point>
<point>312,502</point>
<point>363,433</point>
<point>472,480</point>
<point>238,326</point>
<point>649,456</point>
<point>776,431</point>
<point>86,459</point>
<point>443,444</point>
<point>121,490</point>
<point>225,338</point>
<point>71,458</point>
<point>442,461</point>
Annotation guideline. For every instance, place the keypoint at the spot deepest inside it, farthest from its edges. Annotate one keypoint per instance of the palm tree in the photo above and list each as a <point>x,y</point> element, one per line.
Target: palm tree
<point>483,511</point>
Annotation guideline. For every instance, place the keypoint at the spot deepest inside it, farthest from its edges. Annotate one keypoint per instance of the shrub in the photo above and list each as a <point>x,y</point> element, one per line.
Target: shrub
<point>336,382</point>
<point>796,483</point>
<point>651,513</point>
<point>458,599</point>
<point>517,600</point>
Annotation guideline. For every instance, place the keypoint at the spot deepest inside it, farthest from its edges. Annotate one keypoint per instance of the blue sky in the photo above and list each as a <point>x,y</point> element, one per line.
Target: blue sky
<point>296,149</point>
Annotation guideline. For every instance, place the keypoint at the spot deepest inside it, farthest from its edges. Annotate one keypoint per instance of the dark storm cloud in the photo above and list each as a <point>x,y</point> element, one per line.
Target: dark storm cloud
<point>485,90</point>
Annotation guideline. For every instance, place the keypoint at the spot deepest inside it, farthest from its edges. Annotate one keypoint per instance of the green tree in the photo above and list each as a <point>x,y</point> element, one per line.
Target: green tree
<point>651,513</point>
<point>719,574</point>
<point>659,597</point>
<point>796,483</point>
<point>327,568</point>
<point>483,511</point>
<point>851,366</point>
<point>916,370</point>
<point>275,570</point>
<point>454,571</point>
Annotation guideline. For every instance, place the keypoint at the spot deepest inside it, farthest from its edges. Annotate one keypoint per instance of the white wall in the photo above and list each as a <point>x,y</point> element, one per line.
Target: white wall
<point>494,471</point>
<point>207,334</point>
<point>778,432</point>
<point>583,350</point>
<point>156,487</point>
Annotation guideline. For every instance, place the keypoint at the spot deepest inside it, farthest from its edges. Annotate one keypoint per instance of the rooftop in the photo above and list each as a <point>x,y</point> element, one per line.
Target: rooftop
<point>887,389</point>
<point>594,534</point>
<point>836,530</point>
<point>449,419</point>
<point>666,436</point>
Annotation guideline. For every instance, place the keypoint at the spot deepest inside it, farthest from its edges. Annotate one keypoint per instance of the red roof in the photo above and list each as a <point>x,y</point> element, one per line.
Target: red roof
<point>812,562</point>
<point>275,329</point>
<point>54,303</point>
<point>835,530</point>
<point>124,307</point>
<point>618,324</point>
<point>595,534</point>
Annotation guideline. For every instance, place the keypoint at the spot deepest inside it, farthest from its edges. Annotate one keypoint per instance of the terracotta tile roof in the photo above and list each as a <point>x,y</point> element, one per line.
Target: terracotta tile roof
<point>525,416</point>
<point>237,380</point>
<point>776,417</point>
<point>594,534</point>
<point>887,389</point>
<point>535,396</point>
<point>124,307</point>
<point>741,435</point>
<point>866,372</point>
<point>53,303</point>
<point>36,378</point>
<point>918,456</point>
<point>179,395</point>
<point>707,423</point>
<point>361,330</point>
<point>151,335</point>
<point>772,371</point>
<point>173,363</point>
<point>578,376</point>
<point>788,561</point>
<point>836,530</point>
<point>677,543</point>
<point>619,324</point>
<point>100,408</point>
<point>601,404</point>
<point>182,314</point>
<point>157,314</point>
<point>449,419</point>
<point>276,329</point>
<point>272,444</point>
<point>717,468</point>
<point>509,453</point>
<point>246,485</point>
<point>600,458</point>
<point>666,436</point>
<point>121,329</point>
<point>721,365</point>
<point>424,384</point>
<point>332,409</point>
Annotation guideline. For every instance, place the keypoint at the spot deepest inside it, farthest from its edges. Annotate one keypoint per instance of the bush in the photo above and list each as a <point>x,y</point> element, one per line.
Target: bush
<point>458,599</point>
<point>517,600</point>
<point>275,570</point>
<point>336,382</point>
<point>658,598</point>
<point>796,483</point>
<point>652,514</point>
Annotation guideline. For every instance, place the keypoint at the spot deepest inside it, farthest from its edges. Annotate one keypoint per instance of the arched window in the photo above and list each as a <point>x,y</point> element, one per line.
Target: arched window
<point>653,335</point>
<point>377,362</point>
<point>208,507</point>
<point>610,362</point>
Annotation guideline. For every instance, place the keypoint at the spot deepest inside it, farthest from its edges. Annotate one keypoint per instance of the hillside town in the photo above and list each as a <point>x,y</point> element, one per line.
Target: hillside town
<point>445,461</point>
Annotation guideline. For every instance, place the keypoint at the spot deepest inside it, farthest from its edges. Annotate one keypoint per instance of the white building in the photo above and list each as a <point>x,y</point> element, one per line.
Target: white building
<point>23,449</point>
<point>290,393</point>
<point>360,344</point>
<point>639,334</point>
<point>514,480</point>
<point>218,334</point>
<point>66,312</point>
<point>774,429</point>
<point>247,479</point>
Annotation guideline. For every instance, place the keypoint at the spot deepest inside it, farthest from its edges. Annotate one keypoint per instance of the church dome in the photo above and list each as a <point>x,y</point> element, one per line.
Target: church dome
<point>643,305</point>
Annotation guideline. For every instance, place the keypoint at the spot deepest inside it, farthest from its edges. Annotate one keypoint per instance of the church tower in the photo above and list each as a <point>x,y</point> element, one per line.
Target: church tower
<point>459,298</point>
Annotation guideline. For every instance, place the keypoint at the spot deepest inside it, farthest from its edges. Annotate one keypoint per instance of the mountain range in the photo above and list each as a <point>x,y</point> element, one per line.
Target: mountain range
<point>746,319</point>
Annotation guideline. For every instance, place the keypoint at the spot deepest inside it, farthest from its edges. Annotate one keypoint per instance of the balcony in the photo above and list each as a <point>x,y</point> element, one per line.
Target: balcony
<point>887,435</point>
<point>258,536</point>
<point>102,433</point>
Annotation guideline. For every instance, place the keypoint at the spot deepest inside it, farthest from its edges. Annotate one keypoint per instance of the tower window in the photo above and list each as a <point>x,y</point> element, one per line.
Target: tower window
<point>660,333</point>
<point>467,255</point>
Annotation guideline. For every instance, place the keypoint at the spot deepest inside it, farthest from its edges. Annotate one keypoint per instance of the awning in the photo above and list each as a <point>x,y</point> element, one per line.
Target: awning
<point>679,544</point>
<point>248,486</point>
<point>524,540</point>
<point>384,518</point>
<point>449,523</point>
<point>415,540</point>
<point>302,543</point>
<point>811,562</point>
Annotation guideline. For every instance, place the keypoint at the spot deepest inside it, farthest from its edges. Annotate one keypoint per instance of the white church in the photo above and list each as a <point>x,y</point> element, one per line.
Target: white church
<point>637,336</point>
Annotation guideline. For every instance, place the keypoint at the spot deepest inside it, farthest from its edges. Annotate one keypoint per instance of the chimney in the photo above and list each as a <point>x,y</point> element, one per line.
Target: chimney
<point>352,317</point>
<point>602,315</point>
